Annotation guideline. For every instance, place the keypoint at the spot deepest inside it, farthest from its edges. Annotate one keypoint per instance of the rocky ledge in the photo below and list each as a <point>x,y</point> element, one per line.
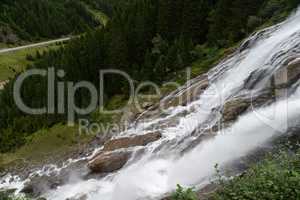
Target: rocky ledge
<point>116,152</point>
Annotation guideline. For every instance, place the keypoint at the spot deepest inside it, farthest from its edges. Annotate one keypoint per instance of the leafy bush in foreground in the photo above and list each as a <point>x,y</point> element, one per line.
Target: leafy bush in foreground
<point>278,177</point>
<point>184,194</point>
<point>6,196</point>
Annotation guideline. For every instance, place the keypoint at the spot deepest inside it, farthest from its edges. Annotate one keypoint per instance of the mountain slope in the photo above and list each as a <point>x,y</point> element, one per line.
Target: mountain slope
<point>36,19</point>
<point>143,39</point>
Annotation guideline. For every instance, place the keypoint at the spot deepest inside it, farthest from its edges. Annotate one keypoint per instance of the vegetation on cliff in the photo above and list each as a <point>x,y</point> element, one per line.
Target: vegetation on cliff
<point>31,20</point>
<point>276,177</point>
<point>148,39</point>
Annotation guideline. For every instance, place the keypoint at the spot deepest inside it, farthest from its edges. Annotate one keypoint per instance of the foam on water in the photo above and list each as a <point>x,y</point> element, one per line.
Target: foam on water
<point>159,170</point>
<point>151,178</point>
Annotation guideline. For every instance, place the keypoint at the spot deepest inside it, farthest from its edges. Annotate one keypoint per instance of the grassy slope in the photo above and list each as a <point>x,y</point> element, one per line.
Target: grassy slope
<point>41,144</point>
<point>3,45</point>
<point>44,144</point>
<point>17,60</point>
<point>60,138</point>
<point>47,145</point>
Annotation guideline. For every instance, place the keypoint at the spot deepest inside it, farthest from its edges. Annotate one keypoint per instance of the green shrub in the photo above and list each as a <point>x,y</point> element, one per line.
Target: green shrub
<point>184,194</point>
<point>5,195</point>
<point>29,57</point>
<point>278,177</point>
<point>272,7</point>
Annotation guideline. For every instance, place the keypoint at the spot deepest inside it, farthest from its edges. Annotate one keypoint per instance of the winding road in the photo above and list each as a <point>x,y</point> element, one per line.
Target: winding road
<point>34,45</point>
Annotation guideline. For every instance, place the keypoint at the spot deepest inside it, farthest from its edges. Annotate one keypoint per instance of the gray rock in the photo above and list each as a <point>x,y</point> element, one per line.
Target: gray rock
<point>140,140</point>
<point>39,185</point>
<point>109,162</point>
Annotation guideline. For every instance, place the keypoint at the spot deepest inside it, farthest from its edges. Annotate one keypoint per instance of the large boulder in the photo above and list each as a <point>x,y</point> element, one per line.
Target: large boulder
<point>126,142</point>
<point>39,185</point>
<point>293,71</point>
<point>236,107</point>
<point>281,80</point>
<point>108,162</point>
<point>109,159</point>
<point>255,78</point>
<point>286,76</point>
<point>233,109</point>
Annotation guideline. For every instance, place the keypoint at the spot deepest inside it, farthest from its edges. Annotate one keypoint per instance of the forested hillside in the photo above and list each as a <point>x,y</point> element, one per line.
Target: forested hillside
<point>36,19</point>
<point>106,6</point>
<point>148,39</point>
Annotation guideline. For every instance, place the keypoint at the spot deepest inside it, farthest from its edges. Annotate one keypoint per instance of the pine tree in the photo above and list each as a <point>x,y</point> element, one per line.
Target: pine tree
<point>194,20</point>
<point>219,22</point>
<point>170,18</point>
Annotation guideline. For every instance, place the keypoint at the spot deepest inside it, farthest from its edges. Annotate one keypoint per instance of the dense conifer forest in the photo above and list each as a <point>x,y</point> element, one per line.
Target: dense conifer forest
<point>148,39</point>
<point>37,19</point>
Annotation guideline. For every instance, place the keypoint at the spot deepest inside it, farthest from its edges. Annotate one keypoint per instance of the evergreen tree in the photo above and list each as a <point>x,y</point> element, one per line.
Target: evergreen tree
<point>194,20</point>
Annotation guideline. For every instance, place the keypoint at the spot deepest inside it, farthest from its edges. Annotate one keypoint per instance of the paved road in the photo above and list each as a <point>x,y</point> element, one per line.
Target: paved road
<point>33,45</point>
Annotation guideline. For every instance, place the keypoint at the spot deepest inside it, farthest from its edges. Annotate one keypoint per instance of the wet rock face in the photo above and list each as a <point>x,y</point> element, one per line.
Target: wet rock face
<point>236,107</point>
<point>255,78</point>
<point>109,162</point>
<point>285,77</point>
<point>288,75</point>
<point>293,70</point>
<point>198,140</point>
<point>39,185</point>
<point>141,140</point>
<point>182,96</point>
<point>83,197</point>
<point>233,109</point>
<point>281,80</point>
<point>191,93</point>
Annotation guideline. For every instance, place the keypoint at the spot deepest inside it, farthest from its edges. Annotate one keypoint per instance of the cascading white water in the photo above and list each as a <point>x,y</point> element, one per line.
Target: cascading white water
<point>159,169</point>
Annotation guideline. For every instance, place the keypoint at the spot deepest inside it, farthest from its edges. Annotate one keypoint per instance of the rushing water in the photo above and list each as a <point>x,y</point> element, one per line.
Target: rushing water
<point>163,165</point>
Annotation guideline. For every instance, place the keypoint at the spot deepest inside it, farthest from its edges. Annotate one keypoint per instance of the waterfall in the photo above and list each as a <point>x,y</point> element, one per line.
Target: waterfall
<point>163,163</point>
